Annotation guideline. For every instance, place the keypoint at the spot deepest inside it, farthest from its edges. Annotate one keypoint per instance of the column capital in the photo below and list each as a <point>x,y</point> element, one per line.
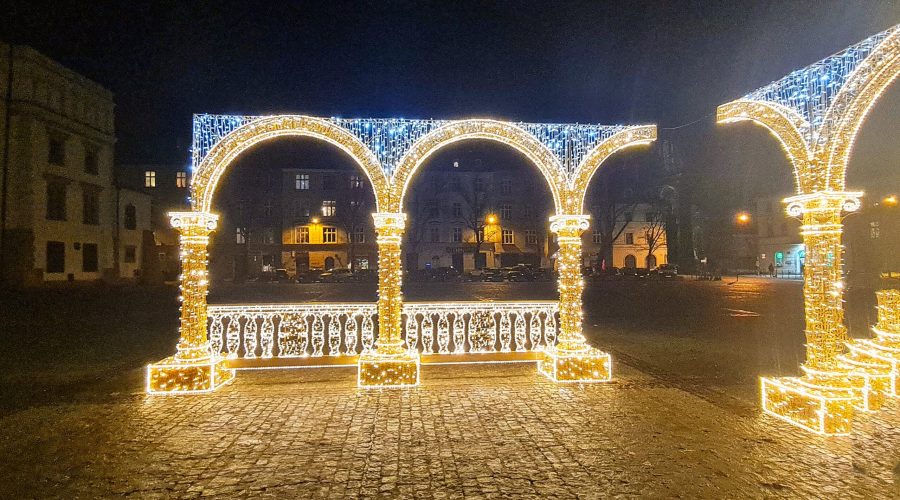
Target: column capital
<point>570,225</point>
<point>819,201</point>
<point>187,222</point>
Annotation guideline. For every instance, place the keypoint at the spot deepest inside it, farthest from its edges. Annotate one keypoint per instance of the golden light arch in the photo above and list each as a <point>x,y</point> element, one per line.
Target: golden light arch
<point>505,133</point>
<point>851,106</point>
<point>581,179</point>
<point>210,170</point>
<point>787,127</point>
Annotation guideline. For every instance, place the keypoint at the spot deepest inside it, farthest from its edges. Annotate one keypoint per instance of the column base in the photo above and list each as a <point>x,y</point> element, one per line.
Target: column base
<point>873,368</point>
<point>177,376</point>
<point>384,371</point>
<point>816,408</point>
<point>588,365</point>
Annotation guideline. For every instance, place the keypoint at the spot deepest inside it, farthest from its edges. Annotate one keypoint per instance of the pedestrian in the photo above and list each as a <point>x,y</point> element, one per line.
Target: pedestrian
<point>771,269</point>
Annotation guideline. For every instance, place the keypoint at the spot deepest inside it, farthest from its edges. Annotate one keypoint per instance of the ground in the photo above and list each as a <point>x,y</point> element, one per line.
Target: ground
<point>680,419</point>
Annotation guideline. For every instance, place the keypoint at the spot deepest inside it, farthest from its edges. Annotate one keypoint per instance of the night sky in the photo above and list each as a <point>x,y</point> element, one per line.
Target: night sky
<point>669,63</point>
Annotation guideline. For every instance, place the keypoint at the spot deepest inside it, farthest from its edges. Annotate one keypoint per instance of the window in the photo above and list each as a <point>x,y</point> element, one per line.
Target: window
<point>435,235</point>
<point>457,234</point>
<point>130,254</point>
<point>328,208</point>
<point>91,165</point>
<point>433,210</point>
<point>355,205</point>
<point>239,237</point>
<point>327,182</point>
<point>506,186</point>
<point>56,200</point>
<point>508,238</point>
<point>874,230</point>
<point>457,210</point>
<point>630,261</point>
<point>90,207</point>
<point>150,179</point>
<point>181,179</point>
<point>267,208</point>
<point>598,236</point>
<point>301,182</point>
<point>130,218</point>
<point>527,211</point>
<point>506,211</point>
<point>454,182</point>
<point>300,209</point>
<point>302,235</point>
<point>629,238</point>
<point>358,235</point>
<point>479,184</point>
<point>629,216</point>
<point>89,257</point>
<point>56,152</point>
<point>356,182</point>
<point>268,236</point>
<point>329,235</point>
<point>531,236</point>
<point>56,257</point>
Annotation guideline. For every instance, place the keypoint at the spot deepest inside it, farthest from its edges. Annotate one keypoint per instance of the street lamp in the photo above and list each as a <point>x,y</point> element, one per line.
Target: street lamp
<point>890,200</point>
<point>742,218</point>
<point>314,220</point>
<point>491,219</point>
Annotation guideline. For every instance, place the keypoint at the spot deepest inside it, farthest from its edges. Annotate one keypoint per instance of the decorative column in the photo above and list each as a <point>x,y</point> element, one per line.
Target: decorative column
<point>875,362</point>
<point>822,400</point>
<point>390,364</point>
<point>194,368</point>
<point>572,359</point>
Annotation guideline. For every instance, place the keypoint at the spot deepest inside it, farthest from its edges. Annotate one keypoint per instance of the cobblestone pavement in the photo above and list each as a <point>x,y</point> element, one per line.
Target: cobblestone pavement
<point>469,430</point>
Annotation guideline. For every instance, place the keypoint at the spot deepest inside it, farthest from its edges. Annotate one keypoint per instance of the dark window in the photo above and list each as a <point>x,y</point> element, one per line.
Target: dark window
<point>56,200</point>
<point>91,207</point>
<point>328,182</point>
<point>89,257</point>
<point>130,254</point>
<point>56,154</point>
<point>91,165</point>
<point>629,240</point>
<point>130,217</point>
<point>56,257</point>
<point>457,210</point>
<point>479,184</point>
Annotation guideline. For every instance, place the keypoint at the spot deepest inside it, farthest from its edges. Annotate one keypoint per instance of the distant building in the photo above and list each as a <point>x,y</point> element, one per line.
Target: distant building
<point>58,201</point>
<point>637,227</point>
<point>168,187</point>
<point>326,220</point>
<point>872,240</point>
<point>778,239</point>
<point>468,219</point>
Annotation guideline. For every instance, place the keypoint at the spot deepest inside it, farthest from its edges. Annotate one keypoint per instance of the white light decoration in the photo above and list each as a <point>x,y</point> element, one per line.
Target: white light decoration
<point>390,152</point>
<point>816,113</point>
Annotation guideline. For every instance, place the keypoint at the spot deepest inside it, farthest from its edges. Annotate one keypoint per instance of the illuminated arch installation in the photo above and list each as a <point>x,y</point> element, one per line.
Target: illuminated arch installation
<point>390,152</point>
<point>816,113</point>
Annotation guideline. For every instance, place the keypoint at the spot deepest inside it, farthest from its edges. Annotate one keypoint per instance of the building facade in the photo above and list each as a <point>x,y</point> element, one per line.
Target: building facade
<point>59,199</point>
<point>471,219</point>
<point>872,240</point>
<point>326,221</point>
<point>778,240</point>
<point>638,234</point>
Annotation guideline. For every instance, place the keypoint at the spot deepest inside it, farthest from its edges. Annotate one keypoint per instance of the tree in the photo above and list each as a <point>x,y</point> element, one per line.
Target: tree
<point>476,211</point>
<point>654,229</point>
<point>612,213</point>
<point>352,215</point>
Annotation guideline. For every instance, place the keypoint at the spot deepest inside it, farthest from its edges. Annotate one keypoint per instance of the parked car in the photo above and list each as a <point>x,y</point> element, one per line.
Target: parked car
<point>281,276</point>
<point>366,276</point>
<point>311,276</point>
<point>665,271</point>
<point>518,273</point>
<point>444,274</point>
<point>337,276</point>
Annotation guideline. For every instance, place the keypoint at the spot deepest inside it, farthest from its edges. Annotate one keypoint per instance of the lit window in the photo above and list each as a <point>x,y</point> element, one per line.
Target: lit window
<point>598,236</point>
<point>301,182</point>
<point>239,236</point>
<point>457,234</point>
<point>531,236</point>
<point>150,179</point>
<point>302,235</point>
<point>506,212</point>
<point>508,238</point>
<point>328,208</point>
<point>356,182</point>
<point>629,238</point>
<point>457,210</point>
<point>874,230</point>
<point>329,235</point>
<point>181,179</point>
<point>435,235</point>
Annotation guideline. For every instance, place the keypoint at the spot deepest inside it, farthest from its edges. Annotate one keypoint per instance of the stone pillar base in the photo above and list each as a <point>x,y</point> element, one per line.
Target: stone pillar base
<point>588,365</point>
<point>382,371</point>
<point>810,405</point>
<point>176,376</point>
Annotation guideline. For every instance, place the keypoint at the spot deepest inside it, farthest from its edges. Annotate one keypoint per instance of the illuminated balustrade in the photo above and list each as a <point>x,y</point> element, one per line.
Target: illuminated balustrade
<point>255,333</point>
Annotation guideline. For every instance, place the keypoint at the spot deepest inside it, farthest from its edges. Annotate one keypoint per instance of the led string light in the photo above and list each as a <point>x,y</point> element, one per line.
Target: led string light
<point>816,113</point>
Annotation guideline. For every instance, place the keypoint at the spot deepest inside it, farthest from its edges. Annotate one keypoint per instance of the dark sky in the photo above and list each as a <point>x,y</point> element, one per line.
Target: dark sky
<point>669,62</point>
